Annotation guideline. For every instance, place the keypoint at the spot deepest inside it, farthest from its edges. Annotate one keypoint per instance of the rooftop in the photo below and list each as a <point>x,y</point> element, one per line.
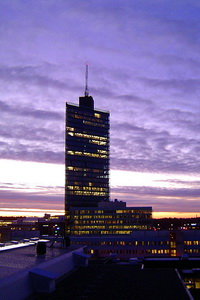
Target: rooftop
<point>97,281</point>
<point>119,282</point>
<point>24,272</point>
<point>18,259</point>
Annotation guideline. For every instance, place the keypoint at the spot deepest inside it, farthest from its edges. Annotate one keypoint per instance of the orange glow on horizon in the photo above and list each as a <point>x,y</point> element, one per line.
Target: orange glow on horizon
<point>9,212</point>
<point>17,212</point>
<point>174,214</point>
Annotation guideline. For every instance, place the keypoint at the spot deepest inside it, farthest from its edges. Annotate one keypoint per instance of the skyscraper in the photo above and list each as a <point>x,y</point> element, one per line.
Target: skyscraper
<point>87,154</point>
<point>87,206</point>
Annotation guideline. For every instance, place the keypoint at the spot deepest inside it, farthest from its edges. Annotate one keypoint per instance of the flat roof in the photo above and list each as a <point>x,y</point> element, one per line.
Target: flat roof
<point>95,109</point>
<point>121,282</point>
<point>19,259</point>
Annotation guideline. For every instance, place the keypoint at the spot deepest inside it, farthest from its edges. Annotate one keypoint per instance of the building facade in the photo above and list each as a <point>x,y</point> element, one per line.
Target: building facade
<point>109,218</point>
<point>143,243</point>
<point>86,156</point>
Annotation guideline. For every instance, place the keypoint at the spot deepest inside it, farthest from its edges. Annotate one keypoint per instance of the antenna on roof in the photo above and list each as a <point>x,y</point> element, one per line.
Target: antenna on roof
<point>86,82</point>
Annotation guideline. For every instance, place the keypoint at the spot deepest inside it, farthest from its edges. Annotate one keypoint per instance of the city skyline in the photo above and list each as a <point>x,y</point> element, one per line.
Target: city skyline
<point>144,67</point>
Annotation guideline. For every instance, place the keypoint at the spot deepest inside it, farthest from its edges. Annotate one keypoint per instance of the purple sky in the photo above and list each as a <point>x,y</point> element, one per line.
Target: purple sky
<point>144,67</point>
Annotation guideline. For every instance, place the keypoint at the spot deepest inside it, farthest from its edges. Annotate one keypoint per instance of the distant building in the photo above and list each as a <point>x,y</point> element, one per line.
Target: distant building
<point>18,228</point>
<point>51,225</point>
<point>177,223</point>
<point>109,218</point>
<point>143,243</point>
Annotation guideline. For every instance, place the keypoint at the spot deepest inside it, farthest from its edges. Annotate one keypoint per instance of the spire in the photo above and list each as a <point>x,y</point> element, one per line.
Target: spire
<point>86,82</point>
<point>86,102</point>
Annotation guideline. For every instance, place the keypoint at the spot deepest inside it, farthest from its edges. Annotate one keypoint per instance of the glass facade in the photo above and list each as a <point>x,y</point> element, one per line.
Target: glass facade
<point>87,155</point>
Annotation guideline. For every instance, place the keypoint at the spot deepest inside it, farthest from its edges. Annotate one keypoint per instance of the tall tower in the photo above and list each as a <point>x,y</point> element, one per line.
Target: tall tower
<point>86,154</point>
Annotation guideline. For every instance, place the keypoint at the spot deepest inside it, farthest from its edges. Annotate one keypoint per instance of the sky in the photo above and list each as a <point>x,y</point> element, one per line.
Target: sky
<point>144,67</point>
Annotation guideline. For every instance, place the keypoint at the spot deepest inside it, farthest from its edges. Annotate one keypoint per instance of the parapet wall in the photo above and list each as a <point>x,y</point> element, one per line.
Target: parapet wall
<point>20,285</point>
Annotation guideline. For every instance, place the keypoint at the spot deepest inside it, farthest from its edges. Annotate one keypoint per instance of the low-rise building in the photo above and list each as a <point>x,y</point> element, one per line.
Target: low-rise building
<point>109,218</point>
<point>143,243</point>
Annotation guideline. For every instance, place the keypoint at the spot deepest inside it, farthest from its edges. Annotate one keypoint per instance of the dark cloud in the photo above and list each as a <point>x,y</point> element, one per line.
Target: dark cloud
<point>161,199</point>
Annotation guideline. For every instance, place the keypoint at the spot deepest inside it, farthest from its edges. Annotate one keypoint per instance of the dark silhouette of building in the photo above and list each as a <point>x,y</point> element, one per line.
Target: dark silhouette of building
<point>177,223</point>
<point>87,154</point>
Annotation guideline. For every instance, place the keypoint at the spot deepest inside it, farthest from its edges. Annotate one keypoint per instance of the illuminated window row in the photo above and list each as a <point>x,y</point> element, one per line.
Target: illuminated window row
<point>99,124</point>
<point>118,232</point>
<point>116,218</point>
<point>77,212</point>
<point>100,143</point>
<point>113,216</point>
<point>87,188</point>
<point>96,118</point>
<point>99,220</point>
<point>70,168</point>
<point>102,151</point>
<point>78,116</point>
<point>87,193</point>
<point>106,226</point>
<point>125,211</point>
<point>80,153</point>
<point>132,251</point>
<point>191,243</point>
<point>88,227</point>
<point>95,124</point>
<point>88,136</point>
<point>89,222</point>
<point>70,128</point>
<point>118,223</point>
<point>195,251</point>
<point>114,244</point>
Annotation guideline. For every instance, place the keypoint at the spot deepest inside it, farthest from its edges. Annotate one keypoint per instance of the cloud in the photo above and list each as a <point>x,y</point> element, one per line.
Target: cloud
<point>143,67</point>
<point>49,197</point>
<point>160,199</point>
<point>35,135</point>
<point>37,76</point>
<point>188,86</point>
<point>27,112</point>
<point>29,154</point>
<point>142,149</point>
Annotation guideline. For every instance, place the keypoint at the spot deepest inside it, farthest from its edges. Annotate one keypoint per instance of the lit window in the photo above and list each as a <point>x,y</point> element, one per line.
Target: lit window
<point>97,115</point>
<point>70,168</point>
